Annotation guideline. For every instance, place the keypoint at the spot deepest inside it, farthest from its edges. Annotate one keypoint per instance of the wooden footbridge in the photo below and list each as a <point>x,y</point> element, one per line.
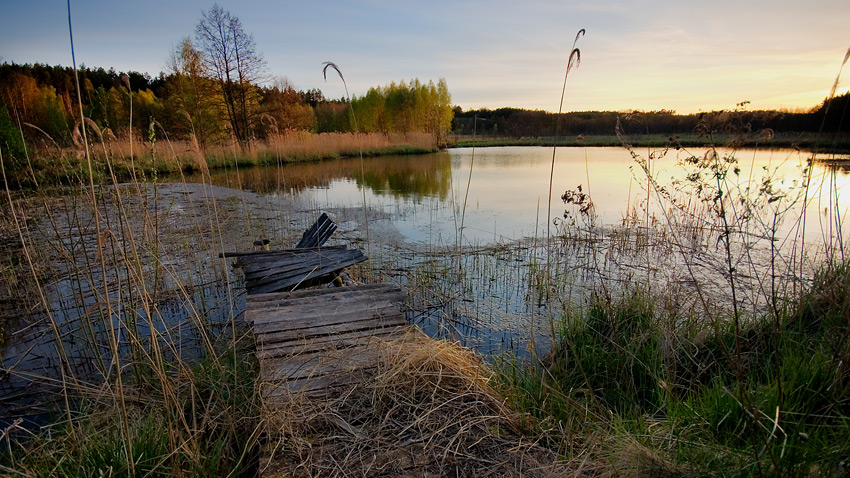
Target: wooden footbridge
<point>348,388</point>
<point>312,342</point>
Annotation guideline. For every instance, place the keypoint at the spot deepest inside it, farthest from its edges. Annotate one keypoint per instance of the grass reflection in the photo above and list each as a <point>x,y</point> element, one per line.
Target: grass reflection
<point>407,177</point>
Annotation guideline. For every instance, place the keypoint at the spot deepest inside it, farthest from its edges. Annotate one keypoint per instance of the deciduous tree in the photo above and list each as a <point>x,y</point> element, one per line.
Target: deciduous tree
<point>407,107</point>
<point>287,109</point>
<point>194,96</point>
<point>231,56</point>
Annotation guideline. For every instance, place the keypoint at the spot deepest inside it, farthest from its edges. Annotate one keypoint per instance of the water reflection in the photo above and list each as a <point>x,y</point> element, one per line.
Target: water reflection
<point>508,196</point>
<point>402,177</point>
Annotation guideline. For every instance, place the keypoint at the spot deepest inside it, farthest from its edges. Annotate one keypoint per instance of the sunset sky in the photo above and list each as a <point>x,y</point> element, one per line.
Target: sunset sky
<point>637,54</point>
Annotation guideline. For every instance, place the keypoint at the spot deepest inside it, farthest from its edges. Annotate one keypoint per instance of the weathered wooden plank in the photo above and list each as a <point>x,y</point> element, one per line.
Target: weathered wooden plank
<point>258,255</point>
<point>318,233</point>
<point>319,308</point>
<point>321,386</point>
<point>305,334</point>
<point>326,342</point>
<point>342,323</point>
<point>295,313</point>
<point>327,298</point>
<point>295,274</point>
<point>274,393</point>
<point>258,300</point>
<point>273,271</point>
<point>288,263</point>
<point>285,308</point>
<point>320,319</point>
<point>322,325</point>
<point>319,364</point>
<point>288,260</point>
<point>282,282</point>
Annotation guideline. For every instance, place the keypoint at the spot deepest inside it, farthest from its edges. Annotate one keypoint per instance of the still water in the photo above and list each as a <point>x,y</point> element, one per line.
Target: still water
<point>485,287</point>
<point>506,190</point>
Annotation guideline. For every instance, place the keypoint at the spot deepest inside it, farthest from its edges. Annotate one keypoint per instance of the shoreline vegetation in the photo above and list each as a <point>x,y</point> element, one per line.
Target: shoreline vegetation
<point>161,157</point>
<point>111,157</point>
<point>800,141</point>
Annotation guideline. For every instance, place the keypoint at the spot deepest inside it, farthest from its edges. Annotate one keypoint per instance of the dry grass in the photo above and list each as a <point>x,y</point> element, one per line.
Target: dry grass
<point>287,146</point>
<point>304,144</point>
<point>428,410</point>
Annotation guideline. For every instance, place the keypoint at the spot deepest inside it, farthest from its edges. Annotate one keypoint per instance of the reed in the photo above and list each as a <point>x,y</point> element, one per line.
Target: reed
<point>186,381</point>
<point>136,319</point>
<point>128,156</point>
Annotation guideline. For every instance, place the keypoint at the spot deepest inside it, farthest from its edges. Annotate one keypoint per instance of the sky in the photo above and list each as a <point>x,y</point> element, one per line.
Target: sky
<point>680,55</point>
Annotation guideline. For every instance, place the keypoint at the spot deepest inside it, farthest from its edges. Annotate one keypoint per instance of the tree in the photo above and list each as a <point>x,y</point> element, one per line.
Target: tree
<point>407,107</point>
<point>286,108</point>
<point>11,144</point>
<point>193,96</point>
<point>332,116</point>
<point>312,97</point>
<point>35,105</point>
<point>231,56</point>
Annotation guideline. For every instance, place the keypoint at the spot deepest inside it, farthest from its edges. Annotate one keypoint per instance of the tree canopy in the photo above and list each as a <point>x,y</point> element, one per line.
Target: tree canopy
<point>406,107</point>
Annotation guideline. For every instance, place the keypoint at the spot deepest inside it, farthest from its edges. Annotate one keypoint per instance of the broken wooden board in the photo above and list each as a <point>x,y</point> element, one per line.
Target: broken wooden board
<point>318,234</point>
<point>290,269</point>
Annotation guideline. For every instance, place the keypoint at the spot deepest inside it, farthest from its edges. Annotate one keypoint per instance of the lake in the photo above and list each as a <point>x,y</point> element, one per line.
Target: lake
<point>508,194</point>
<point>487,287</point>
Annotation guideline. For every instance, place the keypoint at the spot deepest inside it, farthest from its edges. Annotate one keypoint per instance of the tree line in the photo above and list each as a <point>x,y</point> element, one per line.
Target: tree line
<point>216,88</point>
<point>828,117</point>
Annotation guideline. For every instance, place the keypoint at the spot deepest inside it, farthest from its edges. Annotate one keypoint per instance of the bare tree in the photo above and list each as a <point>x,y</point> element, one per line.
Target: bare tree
<point>231,55</point>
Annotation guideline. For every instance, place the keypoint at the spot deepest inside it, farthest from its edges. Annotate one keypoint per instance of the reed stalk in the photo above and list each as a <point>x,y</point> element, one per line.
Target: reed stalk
<point>328,65</point>
<point>114,341</point>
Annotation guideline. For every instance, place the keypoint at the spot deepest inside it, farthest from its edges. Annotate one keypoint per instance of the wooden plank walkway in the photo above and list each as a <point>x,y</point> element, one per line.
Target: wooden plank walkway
<point>315,344</point>
<point>314,340</point>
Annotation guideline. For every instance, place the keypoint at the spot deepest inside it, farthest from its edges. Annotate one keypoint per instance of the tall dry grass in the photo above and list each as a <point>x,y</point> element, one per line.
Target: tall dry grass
<point>105,154</point>
<point>284,147</point>
<point>133,358</point>
<point>428,410</point>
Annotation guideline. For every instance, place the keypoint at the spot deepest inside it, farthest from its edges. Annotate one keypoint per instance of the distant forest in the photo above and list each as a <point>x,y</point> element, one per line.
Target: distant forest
<point>42,101</point>
<point>829,117</point>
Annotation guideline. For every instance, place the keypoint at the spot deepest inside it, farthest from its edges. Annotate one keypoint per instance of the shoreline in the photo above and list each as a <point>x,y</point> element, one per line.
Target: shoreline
<point>801,141</point>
